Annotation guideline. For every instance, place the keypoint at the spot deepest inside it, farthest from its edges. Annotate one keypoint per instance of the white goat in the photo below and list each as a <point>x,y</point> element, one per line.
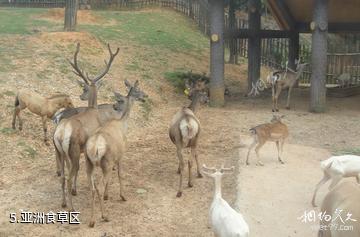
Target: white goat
<point>336,168</point>
<point>225,221</point>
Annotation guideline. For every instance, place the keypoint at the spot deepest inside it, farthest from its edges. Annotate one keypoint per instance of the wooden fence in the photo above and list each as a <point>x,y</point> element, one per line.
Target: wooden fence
<point>33,3</point>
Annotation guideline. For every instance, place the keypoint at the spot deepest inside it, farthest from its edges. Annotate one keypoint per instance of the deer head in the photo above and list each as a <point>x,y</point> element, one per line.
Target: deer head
<point>197,90</point>
<point>90,85</point>
<point>134,93</point>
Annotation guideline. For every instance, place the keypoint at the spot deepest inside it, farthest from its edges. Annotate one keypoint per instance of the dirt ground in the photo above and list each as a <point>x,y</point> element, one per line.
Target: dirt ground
<point>271,198</point>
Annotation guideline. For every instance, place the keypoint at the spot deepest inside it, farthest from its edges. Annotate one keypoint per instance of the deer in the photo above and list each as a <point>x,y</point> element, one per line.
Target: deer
<point>341,203</point>
<point>185,129</point>
<point>45,107</point>
<point>336,168</point>
<point>275,131</point>
<point>281,80</point>
<point>224,220</point>
<point>107,147</point>
<point>71,134</point>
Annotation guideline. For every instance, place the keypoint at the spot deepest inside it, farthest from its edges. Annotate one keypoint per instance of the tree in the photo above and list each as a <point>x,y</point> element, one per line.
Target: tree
<point>71,7</point>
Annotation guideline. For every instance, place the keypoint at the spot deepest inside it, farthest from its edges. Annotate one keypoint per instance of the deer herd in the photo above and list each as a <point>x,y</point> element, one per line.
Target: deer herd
<point>100,131</point>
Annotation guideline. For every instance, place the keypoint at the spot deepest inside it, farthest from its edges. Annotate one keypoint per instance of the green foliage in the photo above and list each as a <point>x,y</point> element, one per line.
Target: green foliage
<point>7,131</point>
<point>22,21</point>
<point>167,30</point>
<point>9,93</point>
<point>178,78</point>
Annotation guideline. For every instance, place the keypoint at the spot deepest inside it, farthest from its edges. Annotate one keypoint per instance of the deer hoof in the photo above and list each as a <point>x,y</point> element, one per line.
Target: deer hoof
<point>58,173</point>
<point>287,107</point>
<point>199,175</point>
<point>190,185</point>
<point>20,128</point>
<point>105,218</point>
<point>91,224</point>
<point>122,198</point>
<point>282,162</point>
<point>73,192</point>
<point>178,171</point>
<point>106,197</point>
<point>178,194</point>
<point>247,163</point>
<point>63,205</point>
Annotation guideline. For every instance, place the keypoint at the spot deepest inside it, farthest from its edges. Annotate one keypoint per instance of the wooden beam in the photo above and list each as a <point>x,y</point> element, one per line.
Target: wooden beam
<point>217,26</point>
<point>319,57</point>
<point>254,43</point>
<point>248,33</point>
<point>350,27</point>
<point>285,13</point>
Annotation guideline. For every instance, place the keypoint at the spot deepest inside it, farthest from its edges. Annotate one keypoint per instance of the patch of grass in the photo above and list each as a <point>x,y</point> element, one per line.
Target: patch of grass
<point>146,108</point>
<point>22,20</point>
<point>164,29</point>
<point>7,131</point>
<point>146,77</point>
<point>134,66</point>
<point>347,151</point>
<point>29,151</point>
<point>9,93</point>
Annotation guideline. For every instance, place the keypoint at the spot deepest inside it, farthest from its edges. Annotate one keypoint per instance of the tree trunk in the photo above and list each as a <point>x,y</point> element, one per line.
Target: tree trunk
<point>254,45</point>
<point>217,53</point>
<point>71,7</point>
<point>319,57</point>
<point>232,19</point>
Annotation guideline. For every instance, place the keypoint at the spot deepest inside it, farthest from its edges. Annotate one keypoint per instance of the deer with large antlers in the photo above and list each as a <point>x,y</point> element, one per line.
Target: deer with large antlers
<point>184,129</point>
<point>281,80</point>
<point>107,147</point>
<point>71,134</point>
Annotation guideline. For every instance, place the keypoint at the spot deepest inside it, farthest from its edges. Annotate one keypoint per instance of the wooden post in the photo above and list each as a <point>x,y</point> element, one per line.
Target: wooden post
<point>318,56</point>
<point>254,43</point>
<point>71,7</point>
<point>217,53</point>
<point>232,25</point>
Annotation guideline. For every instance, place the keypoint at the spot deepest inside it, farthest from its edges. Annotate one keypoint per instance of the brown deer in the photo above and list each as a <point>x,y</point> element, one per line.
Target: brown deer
<point>39,105</point>
<point>281,80</point>
<point>275,131</point>
<point>185,129</point>
<point>71,134</point>
<point>107,147</point>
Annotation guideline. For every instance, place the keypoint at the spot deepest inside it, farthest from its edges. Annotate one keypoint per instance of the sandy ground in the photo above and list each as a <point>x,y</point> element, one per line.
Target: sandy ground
<point>270,197</point>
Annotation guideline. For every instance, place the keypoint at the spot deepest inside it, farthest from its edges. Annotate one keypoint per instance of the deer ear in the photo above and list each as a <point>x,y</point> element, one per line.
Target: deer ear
<point>127,83</point>
<point>188,84</point>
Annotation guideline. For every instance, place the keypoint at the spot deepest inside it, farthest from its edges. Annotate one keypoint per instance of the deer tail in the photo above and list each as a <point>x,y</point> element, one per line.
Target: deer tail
<point>95,149</point>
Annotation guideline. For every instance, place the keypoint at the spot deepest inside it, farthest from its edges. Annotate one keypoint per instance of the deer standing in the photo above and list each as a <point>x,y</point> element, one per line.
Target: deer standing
<point>71,134</point>
<point>275,131</point>
<point>225,221</point>
<point>281,80</point>
<point>107,147</point>
<point>185,129</point>
<point>39,105</point>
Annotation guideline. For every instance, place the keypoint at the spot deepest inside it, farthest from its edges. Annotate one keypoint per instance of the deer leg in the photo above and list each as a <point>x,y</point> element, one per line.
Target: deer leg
<point>278,91</point>
<point>105,180</point>
<point>194,150</point>
<point>273,98</point>
<point>288,98</point>
<point>16,112</point>
<point>250,148</point>
<point>73,191</point>
<point>120,181</point>
<point>257,148</point>
<point>335,180</point>
<point>322,181</point>
<point>181,166</point>
<point>358,178</point>
<point>44,118</point>
<point>90,175</point>
<point>63,183</point>
<point>73,170</point>
<point>58,161</point>
<point>279,149</point>
<point>190,163</point>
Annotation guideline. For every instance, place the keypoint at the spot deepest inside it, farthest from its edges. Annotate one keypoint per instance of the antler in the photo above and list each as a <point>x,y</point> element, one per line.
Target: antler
<point>108,64</point>
<point>76,68</point>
